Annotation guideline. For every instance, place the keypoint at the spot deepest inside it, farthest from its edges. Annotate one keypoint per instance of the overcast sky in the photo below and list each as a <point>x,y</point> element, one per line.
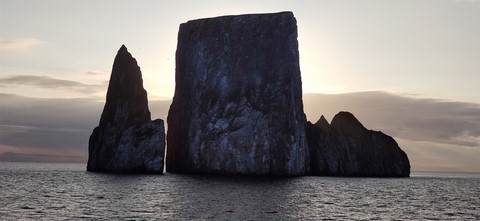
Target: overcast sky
<point>411,49</point>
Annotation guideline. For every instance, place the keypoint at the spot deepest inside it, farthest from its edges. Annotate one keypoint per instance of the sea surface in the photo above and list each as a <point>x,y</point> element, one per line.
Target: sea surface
<point>41,191</point>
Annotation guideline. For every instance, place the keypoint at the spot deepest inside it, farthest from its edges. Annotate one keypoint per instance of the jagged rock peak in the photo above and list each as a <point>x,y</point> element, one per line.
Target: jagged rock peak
<point>347,148</point>
<point>125,58</point>
<point>346,121</point>
<point>126,103</point>
<point>322,122</point>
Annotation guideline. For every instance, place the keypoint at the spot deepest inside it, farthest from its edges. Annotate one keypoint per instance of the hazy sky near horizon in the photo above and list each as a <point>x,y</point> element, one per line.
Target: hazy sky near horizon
<point>56,57</point>
<point>427,48</point>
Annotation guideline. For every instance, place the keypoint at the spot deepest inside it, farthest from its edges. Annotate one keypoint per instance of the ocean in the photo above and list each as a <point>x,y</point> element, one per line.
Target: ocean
<point>47,191</point>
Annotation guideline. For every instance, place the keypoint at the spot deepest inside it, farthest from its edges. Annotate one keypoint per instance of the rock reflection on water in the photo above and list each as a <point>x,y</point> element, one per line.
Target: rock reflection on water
<point>198,197</point>
<point>66,191</point>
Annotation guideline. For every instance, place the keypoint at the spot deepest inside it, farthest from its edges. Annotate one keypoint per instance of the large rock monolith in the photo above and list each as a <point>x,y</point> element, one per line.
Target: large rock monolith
<point>126,140</point>
<point>237,107</point>
<point>346,148</point>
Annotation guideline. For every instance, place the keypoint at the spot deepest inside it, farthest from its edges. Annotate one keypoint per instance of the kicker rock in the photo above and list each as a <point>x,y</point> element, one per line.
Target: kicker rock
<point>237,107</point>
<point>346,148</point>
<point>126,140</point>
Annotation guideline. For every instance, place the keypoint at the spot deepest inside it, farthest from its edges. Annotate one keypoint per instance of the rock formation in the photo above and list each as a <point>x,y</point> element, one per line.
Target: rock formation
<point>346,148</point>
<point>237,107</point>
<point>126,140</point>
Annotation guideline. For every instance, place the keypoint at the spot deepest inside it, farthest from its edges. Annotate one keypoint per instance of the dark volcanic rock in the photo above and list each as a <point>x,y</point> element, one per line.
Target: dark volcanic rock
<point>238,105</point>
<point>346,148</point>
<point>126,140</point>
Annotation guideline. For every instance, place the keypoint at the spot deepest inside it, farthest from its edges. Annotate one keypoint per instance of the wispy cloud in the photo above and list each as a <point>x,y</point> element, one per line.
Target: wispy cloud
<point>96,73</point>
<point>46,125</point>
<point>19,157</point>
<point>18,43</point>
<point>425,156</point>
<point>58,125</point>
<point>51,83</point>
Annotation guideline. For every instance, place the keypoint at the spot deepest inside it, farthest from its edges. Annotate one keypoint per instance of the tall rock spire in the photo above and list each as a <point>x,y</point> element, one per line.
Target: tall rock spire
<point>126,103</point>
<point>126,140</point>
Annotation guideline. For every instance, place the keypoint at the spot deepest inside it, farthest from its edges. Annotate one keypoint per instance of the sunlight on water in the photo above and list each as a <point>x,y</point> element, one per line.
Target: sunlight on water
<point>66,191</point>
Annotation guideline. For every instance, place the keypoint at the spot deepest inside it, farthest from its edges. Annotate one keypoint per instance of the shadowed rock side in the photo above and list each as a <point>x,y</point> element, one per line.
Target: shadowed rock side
<point>237,107</point>
<point>126,140</point>
<point>346,148</point>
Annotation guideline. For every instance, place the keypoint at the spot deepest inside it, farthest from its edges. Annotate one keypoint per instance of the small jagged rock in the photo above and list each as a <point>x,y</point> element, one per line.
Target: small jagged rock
<point>237,107</point>
<point>126,140</point>
<point>346,148</point>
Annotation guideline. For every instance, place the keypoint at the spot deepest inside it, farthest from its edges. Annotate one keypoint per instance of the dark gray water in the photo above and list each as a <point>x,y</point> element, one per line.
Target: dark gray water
<point>34,191</point>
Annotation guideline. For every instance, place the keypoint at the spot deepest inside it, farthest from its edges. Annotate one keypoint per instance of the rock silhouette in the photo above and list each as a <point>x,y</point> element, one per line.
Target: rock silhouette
<point>346,148</point>
<point>126,140</point>
<point>237,107</point>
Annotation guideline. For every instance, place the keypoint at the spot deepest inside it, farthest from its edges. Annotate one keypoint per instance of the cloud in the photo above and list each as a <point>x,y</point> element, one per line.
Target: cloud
<point>46,82</point>
<point>436,134</point>
<point>19,157</point>
<point>96,73</point>
<point>43,136</point>
<point>431,120</point>
<point>53,127</point>
<point>19,43</point>
<point>428,156</point>
<point>49,124</point>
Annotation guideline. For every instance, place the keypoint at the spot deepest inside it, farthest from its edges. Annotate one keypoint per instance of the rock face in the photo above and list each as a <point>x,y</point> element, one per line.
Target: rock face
<point>126,140</point>
<point>346,148</point>
<point>237,107</point>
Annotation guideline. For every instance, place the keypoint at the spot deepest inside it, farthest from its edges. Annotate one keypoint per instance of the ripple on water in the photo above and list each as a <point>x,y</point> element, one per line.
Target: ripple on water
<point>66,191</point>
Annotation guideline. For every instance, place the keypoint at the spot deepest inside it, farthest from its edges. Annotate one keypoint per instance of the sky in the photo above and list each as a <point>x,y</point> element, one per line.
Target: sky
<point>408,67</point>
